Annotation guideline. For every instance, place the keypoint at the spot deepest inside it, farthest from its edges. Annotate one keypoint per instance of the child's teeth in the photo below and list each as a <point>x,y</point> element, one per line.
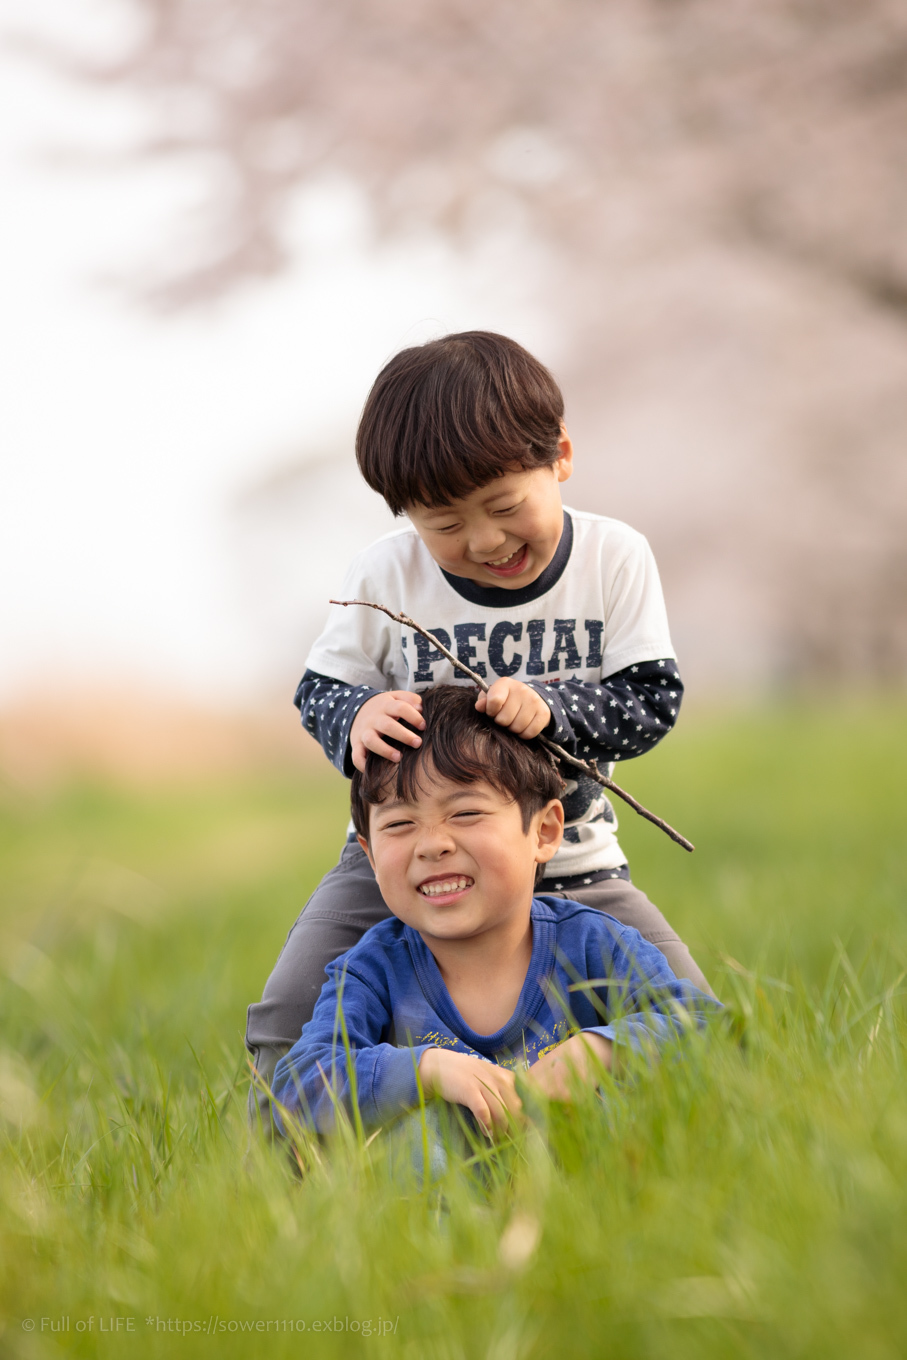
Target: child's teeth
<point>448,886</point>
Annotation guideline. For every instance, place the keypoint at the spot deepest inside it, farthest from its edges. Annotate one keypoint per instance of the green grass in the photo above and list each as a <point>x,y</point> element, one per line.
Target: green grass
<point>749,1200</point>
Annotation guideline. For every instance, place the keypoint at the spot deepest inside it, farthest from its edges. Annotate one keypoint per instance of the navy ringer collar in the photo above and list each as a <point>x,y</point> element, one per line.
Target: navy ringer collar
<point>496,597</point>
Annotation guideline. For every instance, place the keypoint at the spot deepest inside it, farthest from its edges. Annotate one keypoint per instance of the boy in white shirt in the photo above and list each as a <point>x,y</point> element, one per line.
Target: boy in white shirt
<point>562,611</point>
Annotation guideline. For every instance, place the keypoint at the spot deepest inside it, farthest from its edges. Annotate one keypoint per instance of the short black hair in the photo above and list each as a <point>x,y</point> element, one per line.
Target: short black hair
<point>451,415</point>
<point>464,746</point>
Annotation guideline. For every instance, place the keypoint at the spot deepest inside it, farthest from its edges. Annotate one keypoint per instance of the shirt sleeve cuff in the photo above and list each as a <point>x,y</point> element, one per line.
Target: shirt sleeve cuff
<point>559,728</point>
<point>344,757</point>
<point>394,1084</point>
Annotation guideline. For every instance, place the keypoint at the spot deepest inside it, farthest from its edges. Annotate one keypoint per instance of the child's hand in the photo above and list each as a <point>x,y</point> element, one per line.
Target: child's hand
<point>515,705</point>
<point>577,1061</point>
<point>484,1088</point>
<point>379,717</point>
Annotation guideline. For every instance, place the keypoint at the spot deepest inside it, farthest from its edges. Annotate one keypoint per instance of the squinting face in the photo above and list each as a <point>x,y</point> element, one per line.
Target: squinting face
<point>456,863</point>
<point>502,534</point>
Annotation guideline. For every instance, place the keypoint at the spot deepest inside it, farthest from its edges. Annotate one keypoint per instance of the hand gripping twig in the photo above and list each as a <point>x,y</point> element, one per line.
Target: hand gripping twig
<point>587,767</point>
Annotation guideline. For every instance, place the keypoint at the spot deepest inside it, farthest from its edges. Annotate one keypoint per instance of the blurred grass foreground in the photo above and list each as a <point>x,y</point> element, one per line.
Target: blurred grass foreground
<point>749,1200</point>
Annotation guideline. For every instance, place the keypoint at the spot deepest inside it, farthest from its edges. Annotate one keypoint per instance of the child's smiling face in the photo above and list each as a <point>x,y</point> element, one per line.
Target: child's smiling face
<point>504,533</point>
<point>455,862</point>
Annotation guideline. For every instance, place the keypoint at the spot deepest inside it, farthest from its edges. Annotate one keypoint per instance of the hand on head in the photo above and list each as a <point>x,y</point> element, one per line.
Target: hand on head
<point>517,706</point>
<point>511,703</point>
<point>381,716</point>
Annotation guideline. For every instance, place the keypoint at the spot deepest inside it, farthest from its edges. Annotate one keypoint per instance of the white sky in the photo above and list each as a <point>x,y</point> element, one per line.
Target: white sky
<point>126,438</point>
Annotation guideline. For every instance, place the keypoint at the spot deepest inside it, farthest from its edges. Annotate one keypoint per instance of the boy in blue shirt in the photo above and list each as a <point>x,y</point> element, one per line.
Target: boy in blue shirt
<point>561,610</point>
<point>473,978</point>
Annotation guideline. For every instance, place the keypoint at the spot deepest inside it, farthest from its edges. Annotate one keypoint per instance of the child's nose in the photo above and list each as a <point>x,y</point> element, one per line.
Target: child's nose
<point>434,842</point>
<point>485,538</point>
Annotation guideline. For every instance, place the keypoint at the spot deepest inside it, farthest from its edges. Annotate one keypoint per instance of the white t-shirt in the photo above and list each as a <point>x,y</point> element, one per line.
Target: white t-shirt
<point>597,609</point>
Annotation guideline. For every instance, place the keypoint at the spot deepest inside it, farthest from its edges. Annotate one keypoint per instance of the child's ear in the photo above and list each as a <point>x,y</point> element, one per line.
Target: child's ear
<point>564,464</point>
<point>550,831</point>
<point>364,843</point>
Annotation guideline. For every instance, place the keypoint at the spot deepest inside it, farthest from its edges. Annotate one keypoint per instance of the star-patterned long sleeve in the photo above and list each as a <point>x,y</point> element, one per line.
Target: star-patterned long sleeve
<point>614,719</point>
<point>618,718</point>
<point>328,709</point>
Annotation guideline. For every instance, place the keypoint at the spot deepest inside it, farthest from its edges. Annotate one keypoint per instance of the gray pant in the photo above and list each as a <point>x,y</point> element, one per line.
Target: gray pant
<point>343,906</point>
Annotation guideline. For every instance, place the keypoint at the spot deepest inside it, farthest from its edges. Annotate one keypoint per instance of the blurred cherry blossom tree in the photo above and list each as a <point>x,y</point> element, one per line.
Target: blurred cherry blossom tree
<point>705,176</point>
<point>779,122</point>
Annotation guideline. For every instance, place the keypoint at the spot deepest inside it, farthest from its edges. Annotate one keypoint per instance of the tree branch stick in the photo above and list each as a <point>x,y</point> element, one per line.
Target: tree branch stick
<point>586,767</point>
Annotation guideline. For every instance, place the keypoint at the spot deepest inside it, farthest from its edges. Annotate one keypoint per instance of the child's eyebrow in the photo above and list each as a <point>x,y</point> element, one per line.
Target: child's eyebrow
<point>499,494</point>
<point>393,805</point>
<point>396,804</point>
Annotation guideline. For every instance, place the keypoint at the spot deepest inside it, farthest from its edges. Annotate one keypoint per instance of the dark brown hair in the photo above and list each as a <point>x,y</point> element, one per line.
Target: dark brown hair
<point>449,416</point>
<point>461,745</point>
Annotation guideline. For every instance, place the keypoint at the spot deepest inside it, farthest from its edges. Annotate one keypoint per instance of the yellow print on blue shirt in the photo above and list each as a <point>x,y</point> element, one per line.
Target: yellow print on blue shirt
<point>535,1045</point>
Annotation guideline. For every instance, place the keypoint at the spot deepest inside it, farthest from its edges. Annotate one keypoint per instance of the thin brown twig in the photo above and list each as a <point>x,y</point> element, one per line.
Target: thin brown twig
<point>587,767</point>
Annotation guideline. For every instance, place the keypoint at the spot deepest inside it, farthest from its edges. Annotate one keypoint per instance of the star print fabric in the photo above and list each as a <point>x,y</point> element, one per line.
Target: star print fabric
<point>618,718</point>
<point>328,709</point>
